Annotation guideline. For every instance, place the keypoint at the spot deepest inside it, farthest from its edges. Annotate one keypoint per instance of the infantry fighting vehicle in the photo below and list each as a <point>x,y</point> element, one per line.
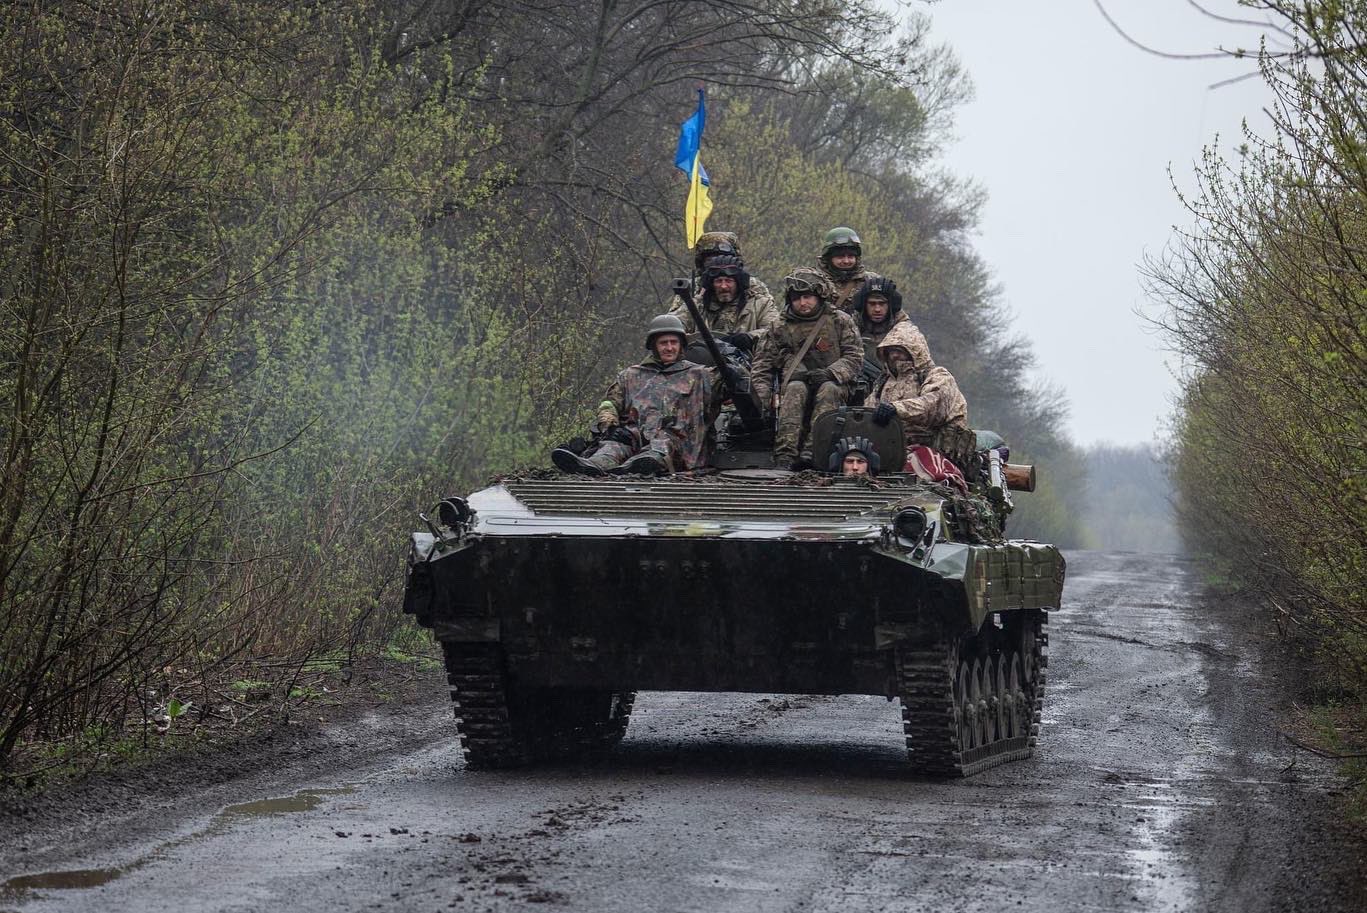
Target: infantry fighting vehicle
<point>557,598</point>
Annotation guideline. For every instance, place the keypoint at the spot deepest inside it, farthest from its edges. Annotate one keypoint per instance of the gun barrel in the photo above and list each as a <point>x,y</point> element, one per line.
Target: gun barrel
<point>744,400</point>
<point>684,289</point>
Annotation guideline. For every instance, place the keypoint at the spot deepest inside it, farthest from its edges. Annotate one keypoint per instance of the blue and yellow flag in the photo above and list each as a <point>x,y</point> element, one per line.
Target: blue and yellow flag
<point>688,159</point>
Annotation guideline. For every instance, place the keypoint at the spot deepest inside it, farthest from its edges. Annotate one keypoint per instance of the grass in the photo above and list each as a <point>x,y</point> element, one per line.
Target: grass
<point>232,708</point>
<point>1341,731</point>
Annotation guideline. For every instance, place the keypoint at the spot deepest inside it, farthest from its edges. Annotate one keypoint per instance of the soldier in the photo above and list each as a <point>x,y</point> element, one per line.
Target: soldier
<point>854,456</point>
<point>816,352</point>
<point>842,263</point>
<point>733,311</point>
<point>922,394</point>
<point>878,308</point>
<point>721,244</point>
<point>656,415</point>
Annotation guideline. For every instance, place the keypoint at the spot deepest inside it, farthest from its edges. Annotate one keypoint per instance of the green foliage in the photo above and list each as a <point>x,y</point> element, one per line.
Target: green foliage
<point>273,278</point>
<point>1265,301</point>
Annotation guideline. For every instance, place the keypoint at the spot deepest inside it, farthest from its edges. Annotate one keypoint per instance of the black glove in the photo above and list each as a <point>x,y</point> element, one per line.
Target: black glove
<point>883,414</point>
<point>742,340</point>
<point>576,446</point>
<point>621,435</point>
<point>819,376</point>
<point>799,376</point>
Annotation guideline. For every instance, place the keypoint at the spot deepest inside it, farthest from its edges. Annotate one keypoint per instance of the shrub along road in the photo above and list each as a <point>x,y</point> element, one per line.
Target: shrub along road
<point>1161,783</point>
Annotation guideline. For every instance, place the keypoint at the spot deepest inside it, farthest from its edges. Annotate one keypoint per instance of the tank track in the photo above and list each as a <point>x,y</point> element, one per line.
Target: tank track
<point>500,727</point>
<point>938,717</point>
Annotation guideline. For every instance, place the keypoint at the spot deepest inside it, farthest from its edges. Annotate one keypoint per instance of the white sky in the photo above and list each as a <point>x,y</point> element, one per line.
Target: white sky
<point>1071,133</point>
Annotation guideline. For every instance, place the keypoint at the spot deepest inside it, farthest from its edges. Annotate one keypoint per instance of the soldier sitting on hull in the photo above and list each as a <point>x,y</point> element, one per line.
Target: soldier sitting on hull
<point>756,297</point>
<point>922,394</point>
<point>656,415</point>
<point>853,457</point>
<point>816,353</point>
<point>878,308</point>
<point>734,312</point>
<point>842,262</point>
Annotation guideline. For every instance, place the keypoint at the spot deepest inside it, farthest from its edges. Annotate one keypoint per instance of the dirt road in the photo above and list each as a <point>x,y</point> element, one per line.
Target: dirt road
<point>1161,783</point>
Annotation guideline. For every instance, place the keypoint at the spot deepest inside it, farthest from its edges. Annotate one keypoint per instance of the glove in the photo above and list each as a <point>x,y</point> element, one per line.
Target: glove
<point>883,414</point>
<point>799,376</point>
<point>743,341</point>
<point>607,414</point>
<point>819,376</point>
<point>620,435</point>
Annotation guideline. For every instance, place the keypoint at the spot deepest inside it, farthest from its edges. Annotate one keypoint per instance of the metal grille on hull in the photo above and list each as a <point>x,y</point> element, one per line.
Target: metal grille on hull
<point>703,501</point>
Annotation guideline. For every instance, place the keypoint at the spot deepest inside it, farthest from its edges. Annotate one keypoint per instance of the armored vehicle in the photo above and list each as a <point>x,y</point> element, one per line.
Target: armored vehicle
<point>556,598</point>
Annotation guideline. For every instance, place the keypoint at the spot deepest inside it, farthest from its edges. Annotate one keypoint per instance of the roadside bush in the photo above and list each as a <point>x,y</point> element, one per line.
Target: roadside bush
<point>1265,301</point>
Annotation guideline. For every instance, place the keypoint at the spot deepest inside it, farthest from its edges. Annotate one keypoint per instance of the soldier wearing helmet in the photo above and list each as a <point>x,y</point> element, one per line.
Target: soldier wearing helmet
<point>878,308</point>
<point>854,456</point>
<point>842,262</point>
<point>656,415</point>
<point>733,313</point>
<point>738,307</point>
<point>815,354</point>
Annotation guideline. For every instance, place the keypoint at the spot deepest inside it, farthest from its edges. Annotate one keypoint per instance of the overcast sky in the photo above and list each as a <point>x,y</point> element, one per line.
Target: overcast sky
<point>1071,133</point>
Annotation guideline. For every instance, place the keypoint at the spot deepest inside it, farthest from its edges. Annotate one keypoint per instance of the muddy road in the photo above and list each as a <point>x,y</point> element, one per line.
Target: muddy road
<point>1160,783</point>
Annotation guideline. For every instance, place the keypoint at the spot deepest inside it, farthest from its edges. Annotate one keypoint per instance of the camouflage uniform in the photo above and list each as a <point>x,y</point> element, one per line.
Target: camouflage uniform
<point>846,284</point>
<point>756,315</point>
<point>927,398</point>
<point>666,408</point>
<point>836,346</point>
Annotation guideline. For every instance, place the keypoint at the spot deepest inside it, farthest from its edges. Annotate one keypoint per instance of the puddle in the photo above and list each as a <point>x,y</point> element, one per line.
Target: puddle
<point>57,881</point>
<point>23,887</point>
<point>303,801</point>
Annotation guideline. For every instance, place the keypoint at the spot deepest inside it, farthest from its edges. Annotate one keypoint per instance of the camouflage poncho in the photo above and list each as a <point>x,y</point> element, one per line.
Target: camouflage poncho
<point>925,395</point>
<point>671,407</point>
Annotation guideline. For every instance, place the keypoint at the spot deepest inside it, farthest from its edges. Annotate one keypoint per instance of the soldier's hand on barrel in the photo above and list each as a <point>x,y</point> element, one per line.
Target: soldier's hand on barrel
<point>883,414</point>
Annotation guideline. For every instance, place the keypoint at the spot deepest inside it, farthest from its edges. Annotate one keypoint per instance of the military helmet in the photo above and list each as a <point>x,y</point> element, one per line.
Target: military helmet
<point>840,237</point>
<point>665,323</point>
<point>805,279</point>
<point>876,285</point>
<point>725,265</point>
<point>715,243</point>
<point>846,445</point>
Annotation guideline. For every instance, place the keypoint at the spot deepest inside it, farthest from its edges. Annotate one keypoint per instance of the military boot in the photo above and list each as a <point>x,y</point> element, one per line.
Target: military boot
<point>568,461</point>
<point>645,463</point>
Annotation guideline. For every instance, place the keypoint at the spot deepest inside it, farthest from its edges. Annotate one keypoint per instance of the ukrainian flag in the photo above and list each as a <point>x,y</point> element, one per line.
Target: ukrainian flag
<point>688,160</point>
